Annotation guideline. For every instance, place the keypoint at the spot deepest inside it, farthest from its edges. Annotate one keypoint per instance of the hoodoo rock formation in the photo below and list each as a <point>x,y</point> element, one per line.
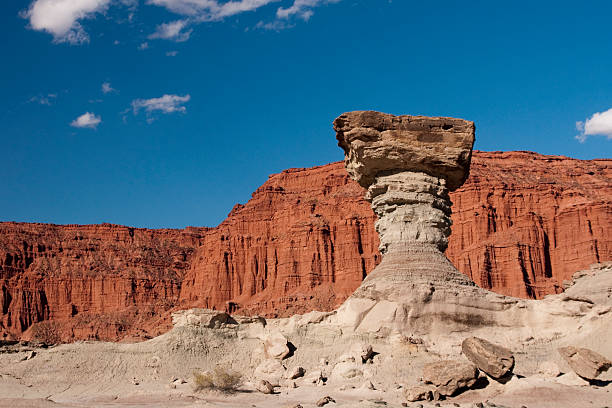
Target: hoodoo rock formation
<point>523,223</point>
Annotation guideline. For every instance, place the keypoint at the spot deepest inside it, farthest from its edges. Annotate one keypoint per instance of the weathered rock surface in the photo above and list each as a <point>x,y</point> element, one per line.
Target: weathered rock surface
<point>264,387</point>
<point>419,393</point>
<point>377,143</point>
<point>495,360</point>
<point>523,223</point>
<point>586,363</point>
<point>450,376</point>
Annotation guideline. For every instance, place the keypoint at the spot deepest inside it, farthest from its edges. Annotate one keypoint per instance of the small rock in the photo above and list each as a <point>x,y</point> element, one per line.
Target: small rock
<point>479,405</point>
<point>586,363</point>
<point>171,386</point>
<point>264,387</point>
<point>404,404</point>
<point>297,406</point>
<point>135,381</point>
<point>495,360</point>
<point>325,400</point>
<point>362,352</point>
<point>314,377</point>
<point>419,393</point>
<point>295,372</point>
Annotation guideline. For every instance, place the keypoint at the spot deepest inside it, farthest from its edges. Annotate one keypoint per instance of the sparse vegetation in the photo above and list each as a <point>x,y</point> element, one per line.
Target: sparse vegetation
<point>220,379</point>
<point>46,332</point>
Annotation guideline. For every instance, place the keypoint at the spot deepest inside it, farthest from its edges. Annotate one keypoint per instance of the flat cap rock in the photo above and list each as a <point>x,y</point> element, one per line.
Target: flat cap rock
<point>376,143</point>
<point>495,360</point>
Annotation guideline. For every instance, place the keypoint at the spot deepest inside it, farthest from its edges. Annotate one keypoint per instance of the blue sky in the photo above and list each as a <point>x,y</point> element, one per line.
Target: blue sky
<point>165,113</point>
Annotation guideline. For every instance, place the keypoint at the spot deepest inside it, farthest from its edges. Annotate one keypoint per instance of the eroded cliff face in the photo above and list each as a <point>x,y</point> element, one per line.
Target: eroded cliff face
<point>92,281</point>
<point>522,224</point>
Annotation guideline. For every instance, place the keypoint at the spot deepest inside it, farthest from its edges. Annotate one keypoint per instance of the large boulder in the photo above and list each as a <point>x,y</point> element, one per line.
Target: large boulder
<point>450,376</point>
<point>495,360</point>
<point>586,363</point>
<point>275,345</point>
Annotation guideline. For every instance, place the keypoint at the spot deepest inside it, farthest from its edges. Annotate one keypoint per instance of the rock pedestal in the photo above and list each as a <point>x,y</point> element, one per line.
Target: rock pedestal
<point>408,165</point>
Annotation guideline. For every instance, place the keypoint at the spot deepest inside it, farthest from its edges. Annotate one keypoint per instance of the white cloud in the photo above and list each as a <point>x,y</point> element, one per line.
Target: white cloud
<point>143,46</point>
<point>43,99</point>
<point>598,124</point>
<point>163,104</point>
<point>211,10</point>
<point>172,31</point>
<point>86,120</point>
<point>302,8</point>
<point>172,53</point>
<point>61,18</point>
<point>275,25</point>
<point>107,88</point>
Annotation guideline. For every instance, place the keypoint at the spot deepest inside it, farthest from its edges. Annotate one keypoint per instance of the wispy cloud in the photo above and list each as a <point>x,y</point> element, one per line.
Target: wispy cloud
<point>164,104</point>
<point>86,120</point>
<point>275,25</point>
<point>174,31</point>
<point>61,18</point>
<point>143,46</point>
<point>43,99</point>
<point>598,124</point>
<point>210,10</point>
<point>302,8</point>
<point>107,88</point>
<point>173,53</point>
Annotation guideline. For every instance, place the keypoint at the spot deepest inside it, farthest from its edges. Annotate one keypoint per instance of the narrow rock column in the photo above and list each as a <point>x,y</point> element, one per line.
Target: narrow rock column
<point>408,164</point>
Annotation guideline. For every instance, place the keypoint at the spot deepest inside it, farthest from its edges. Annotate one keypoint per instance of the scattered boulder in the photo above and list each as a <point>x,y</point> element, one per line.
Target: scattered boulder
<point>315,377</point>
<point>419,393</point>
<point>325,401</point>
<point>362,352</point>
<point>275,345</point>
<point>495,360</point>
<point>586,363</point>
<point>449,376</point>
<point>295,372</point>
<point>264,387</point>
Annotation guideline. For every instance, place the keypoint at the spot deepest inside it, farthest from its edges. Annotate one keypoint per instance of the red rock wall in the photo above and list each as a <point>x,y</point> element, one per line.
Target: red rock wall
<point>97,280</point>
<point>523,223</point>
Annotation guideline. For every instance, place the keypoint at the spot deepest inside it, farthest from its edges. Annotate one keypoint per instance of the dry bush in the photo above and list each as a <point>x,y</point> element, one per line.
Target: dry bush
<point>46,332</point>
<point>220,379</point>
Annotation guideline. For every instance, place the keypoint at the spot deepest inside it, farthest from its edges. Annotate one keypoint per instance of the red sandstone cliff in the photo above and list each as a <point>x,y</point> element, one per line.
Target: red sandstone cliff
<point>523,223</point>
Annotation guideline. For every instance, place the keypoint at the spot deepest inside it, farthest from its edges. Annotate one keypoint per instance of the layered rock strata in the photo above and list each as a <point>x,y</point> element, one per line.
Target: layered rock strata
<point>408,164</point>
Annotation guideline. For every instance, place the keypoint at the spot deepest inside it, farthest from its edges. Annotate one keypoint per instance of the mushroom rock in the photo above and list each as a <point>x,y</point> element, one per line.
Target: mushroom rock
<point>408,165</point>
